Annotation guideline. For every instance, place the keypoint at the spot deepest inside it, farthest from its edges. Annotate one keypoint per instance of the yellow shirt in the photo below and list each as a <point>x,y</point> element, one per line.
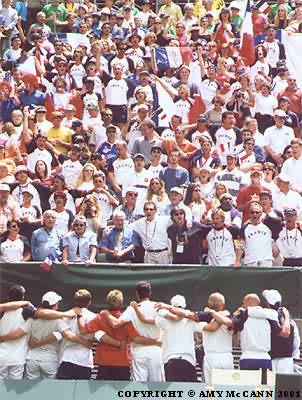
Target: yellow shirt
<point>173,10</point>
<point>63,134</point>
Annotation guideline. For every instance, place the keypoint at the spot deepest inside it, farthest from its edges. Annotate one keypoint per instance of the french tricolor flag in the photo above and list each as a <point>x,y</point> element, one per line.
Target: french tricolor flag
<point>247,48</point>
<point>172,57</point>
<point>264,7</point>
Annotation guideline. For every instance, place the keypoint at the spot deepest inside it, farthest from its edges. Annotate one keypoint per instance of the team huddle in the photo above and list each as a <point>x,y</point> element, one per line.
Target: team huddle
<point>148,342</point>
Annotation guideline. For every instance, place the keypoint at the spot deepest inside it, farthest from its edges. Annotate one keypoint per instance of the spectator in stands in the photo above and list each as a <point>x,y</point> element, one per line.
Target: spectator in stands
<point>79,245</point>
<point>119,243</point>
<point>46,242</point>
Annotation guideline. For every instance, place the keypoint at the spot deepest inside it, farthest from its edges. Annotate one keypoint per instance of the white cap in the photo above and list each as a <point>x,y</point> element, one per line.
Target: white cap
<point>272,296</point>
<point>283,177</point>
<point>131,189</point>
<point>235,4</point>
<point>177,190</point>
<point>279,113</point>
<point>52,298</point>
<point>105,10</point>
<point>178,301</point>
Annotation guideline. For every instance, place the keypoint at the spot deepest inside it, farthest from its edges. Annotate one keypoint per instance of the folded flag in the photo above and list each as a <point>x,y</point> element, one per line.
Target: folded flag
<point>247,48</point>
<point>172,57</point>
<point>74,39</point>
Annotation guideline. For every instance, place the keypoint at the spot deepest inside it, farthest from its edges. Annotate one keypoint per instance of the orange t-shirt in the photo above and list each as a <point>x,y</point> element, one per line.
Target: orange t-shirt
<point>186,147</point>
<point>105,353</point>
<point>244,196</point>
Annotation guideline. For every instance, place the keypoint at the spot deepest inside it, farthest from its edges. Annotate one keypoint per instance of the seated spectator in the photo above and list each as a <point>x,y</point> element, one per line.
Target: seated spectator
<point>79,245</point>
<point>14,247</point>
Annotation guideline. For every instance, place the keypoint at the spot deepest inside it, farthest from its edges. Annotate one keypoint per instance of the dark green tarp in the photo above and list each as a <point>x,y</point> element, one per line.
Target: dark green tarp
<point>194,282</point>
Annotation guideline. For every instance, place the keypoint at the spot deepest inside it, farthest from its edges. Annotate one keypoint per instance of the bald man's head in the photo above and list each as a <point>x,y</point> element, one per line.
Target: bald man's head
<point>216,301</point>
<point>251,300</point>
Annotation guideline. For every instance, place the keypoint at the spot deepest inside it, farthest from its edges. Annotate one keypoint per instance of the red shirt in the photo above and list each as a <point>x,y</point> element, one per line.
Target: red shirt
<point>259,22</point>
<point>295,99</point>
<point>105,353</point>
<point>244,196</point>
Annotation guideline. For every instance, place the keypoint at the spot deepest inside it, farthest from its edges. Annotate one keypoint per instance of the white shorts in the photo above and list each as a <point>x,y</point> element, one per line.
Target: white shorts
<point>283,365</point>
<point>149,368</point>
<point>41,369</point>
<point>216,361</point>
<point>12,372</point>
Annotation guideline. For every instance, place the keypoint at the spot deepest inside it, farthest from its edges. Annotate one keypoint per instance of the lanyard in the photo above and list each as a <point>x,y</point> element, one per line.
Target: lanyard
<point>152,236</point>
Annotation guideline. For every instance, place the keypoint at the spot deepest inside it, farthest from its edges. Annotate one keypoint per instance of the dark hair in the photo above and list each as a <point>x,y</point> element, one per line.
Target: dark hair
<point>16,293</point>
<point>225,11</point>
<point>176,210</point>
<point>13,221</point>
<point>143,289</point>
<point>46,305</point>
<point>225,114</point>
<point>45,173</point>
<point>189,193</point>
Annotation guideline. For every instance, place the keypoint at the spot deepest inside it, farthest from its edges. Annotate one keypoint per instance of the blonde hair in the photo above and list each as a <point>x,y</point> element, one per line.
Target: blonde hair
<point>277,20</point>
<point>80,179</point>
<point>115,299</point>
<point>82,298</point>
<point>162,193</point>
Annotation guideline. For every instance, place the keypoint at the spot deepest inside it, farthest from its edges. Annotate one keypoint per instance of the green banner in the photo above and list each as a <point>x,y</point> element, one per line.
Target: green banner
<point>194,282</point>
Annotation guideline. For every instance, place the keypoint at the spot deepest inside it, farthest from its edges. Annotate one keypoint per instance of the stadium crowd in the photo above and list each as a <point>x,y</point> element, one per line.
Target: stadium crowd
<point>143,342</point>
<point>93,164</point>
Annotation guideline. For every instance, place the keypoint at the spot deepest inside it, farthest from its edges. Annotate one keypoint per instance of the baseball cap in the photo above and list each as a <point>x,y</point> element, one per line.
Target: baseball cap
<point>139,155</point>
<point>21,168</point>
<point>176,189</point>
<point>231,154</point>
<point>202,118</point>
<point>283,177</point>
<point>52,298</point>
<point>69,107</point>
<point>284,98</point>
<point>78,139</point>
<point>280,113</point>
<point>163,15</point>
<point>56,114</point>
<point>105,10</point>
<point>111,127</point>
<point>235,4</point>
<point>178,301</point>
<point>290,211</point>
<point>41,109</point>
<point>156,146</point>
<point>143,107</point>
<point>265,193</point>
<point>93,106</point>
<point>28,191</point>
<point>60,194</point>
<point>4,187</point>
<point>272,296</point>
<point>131,189</point>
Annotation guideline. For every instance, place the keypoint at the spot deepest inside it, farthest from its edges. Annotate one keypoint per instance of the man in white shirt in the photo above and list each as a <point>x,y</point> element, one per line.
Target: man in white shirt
<point>277,137</point>
<point>292,167</point>
<point>284,197</point>
<point>40,153</point>
<point>227,137</point>
<point>71,168</point>
<point>146,365</point>
<point>152,230</point>
<point>255,241</point>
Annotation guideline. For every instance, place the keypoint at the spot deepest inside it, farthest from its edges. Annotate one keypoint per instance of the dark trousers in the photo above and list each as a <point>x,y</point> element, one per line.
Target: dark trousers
<point>112,373</point>
<point>254,364</point>
<point>292,262</point>
<point>68,370</point>
<point>179,370</point>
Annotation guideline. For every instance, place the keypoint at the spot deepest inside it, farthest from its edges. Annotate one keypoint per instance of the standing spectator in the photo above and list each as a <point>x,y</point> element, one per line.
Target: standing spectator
<point>292,166</point>
<point>152,230</point>
<point>119,243</point>
<point>185,241</point>
<point>255,241</point>
<point>173,10</point>
<point>79,245</point>
<point>144,144</point>
<point>46,242</point>
<point>285,197</point>
<point>174,175</point>
<point>290,239</point>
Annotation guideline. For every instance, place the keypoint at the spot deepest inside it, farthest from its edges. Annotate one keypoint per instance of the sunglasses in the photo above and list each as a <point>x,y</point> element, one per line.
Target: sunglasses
<point>156,151</point>
<point>78,225</point>
<point>98,180</point>
<point>149,209</point>
<point>268,169</point>
<point>132,194</point>
<point>255,212</point>
<point>14,226</point>
<point>106,115</point>
<point>179,213</point>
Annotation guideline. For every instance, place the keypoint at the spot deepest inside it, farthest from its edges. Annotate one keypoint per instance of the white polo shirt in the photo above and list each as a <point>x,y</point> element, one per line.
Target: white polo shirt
<point>219,341</point>
<point>255,339</point>
<point>289,200</point>
<point>278,138</point>
<point>11,251</point>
